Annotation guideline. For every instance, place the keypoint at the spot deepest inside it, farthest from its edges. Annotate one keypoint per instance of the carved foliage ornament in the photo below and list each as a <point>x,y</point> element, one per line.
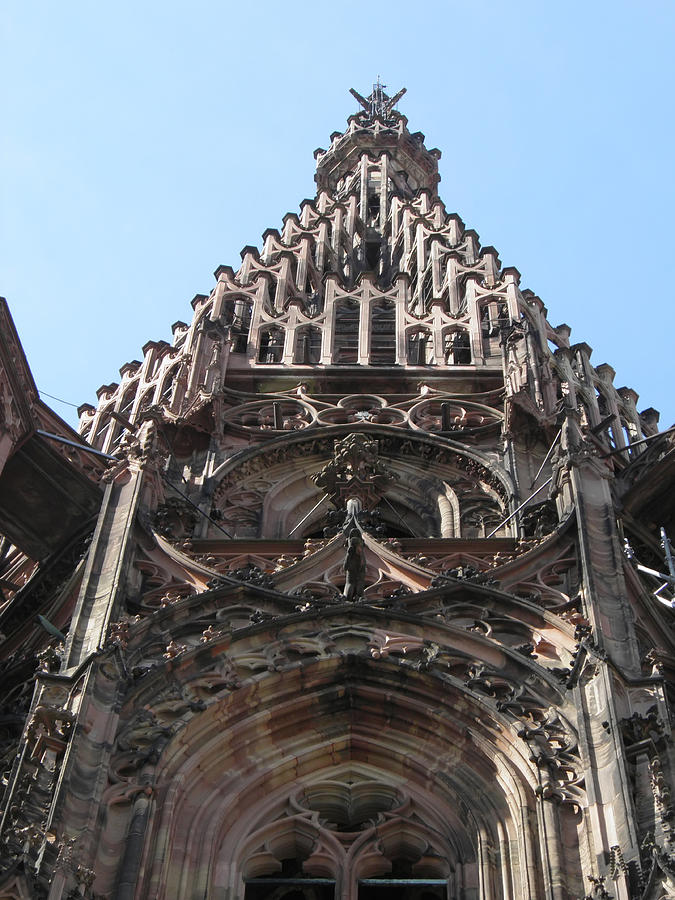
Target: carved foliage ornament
<point>354,472</point>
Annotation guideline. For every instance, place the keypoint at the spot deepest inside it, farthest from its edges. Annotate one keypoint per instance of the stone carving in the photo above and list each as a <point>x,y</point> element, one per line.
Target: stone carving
<point>252,575</point>
<point>49,659</point>
<point>118,633</point>
<point>354,472</point>
<point>176,519</point>
<point>463,573</point>
<point>174,649</point>
<point>540,520</point>
<point>661,789</point>
<point>598,890</point>
<point>638,728</point>
<point>66,862</point>
<point>354,566</point>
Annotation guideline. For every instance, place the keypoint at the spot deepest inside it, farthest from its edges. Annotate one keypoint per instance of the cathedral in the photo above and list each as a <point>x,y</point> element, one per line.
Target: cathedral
<point>359,589</point>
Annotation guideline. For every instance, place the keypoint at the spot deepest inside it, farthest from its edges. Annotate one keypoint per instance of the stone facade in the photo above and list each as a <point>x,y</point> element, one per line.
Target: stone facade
<point>341,607</point>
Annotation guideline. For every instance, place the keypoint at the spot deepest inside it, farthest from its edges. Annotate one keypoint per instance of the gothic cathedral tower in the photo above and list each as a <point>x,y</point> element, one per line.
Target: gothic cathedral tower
<point>341,607</point>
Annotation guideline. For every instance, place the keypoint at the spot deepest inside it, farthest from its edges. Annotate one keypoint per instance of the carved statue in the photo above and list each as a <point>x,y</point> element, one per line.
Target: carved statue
<point>354,566</point>
<point>354,471</point>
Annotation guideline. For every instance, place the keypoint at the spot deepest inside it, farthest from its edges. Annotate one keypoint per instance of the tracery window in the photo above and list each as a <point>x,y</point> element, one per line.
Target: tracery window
<point>304,853</point>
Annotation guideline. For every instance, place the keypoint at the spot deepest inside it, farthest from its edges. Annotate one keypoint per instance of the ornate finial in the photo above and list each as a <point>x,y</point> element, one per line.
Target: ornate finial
<point>379,105</point>
<point>354,472</point>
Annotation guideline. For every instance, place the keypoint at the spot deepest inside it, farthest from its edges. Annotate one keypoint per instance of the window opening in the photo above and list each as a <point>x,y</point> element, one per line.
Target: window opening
<point>418,348</point>
<point>485,320</point>
<point>457,348</point>
<point>401,884</point>
<point>241,323</point>
<point>308,346</point>
<point>373,211</point>
<point>347,317</point>
<point>372,256</point>
<point>383,335</point>
<point>167,389</point>
<point>290,884</point>
<point>428,290</point>
<point>102,431</point>
<point>271,346</point>
<point>313,305</point>
<point>402,889</point>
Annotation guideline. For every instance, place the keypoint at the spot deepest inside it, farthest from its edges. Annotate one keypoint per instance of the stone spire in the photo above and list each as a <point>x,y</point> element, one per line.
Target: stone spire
<point>329,623</point>
<point>375,130</point>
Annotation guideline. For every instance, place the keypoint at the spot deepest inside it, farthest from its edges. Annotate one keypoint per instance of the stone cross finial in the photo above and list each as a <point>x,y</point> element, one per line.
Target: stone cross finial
<point>378,105</point>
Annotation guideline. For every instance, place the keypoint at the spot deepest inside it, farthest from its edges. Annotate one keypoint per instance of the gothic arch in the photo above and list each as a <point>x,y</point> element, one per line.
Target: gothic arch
<point>465,794</point>
<point>422,492</point>
<point>453,722</point>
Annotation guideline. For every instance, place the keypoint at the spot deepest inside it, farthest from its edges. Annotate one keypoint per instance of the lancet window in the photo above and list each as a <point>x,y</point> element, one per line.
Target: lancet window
<point>102,430</point>
<point>308,346</point>
<point>347,316</point>
<point>241,322</point>
<point>420,347</point>
<point>167,387</point>
<point>373,211</point>
<point>427,290</point>
<point>271,345</point>
<point>457,347</point>
<point>383,334</point>
<point>493,316</point>
<point>124,411</point>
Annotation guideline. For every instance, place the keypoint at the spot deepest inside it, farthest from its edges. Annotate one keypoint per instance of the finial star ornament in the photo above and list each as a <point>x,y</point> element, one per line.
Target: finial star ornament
<point>378,104</point>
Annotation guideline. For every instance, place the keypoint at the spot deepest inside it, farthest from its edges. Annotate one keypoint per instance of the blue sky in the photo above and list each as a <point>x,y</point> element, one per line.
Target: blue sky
<point>146,143</point>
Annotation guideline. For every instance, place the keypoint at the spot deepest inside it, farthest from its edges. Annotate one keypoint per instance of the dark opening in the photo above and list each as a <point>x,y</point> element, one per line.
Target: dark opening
<point>271,346</point>
<point>290,889</point>
<point>290,884</point>
<point>347,317</point>
<point>308,346</point>
<point>458,348</point>
<point>417,348</point>
<point>383,335</point>
<point>402,889</point>
<point>372,260</point>
<point>241,322</point>
<point>373,211</point>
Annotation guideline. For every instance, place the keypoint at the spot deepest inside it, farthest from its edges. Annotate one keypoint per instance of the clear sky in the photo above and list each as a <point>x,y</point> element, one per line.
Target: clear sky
<point>146,143</point>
